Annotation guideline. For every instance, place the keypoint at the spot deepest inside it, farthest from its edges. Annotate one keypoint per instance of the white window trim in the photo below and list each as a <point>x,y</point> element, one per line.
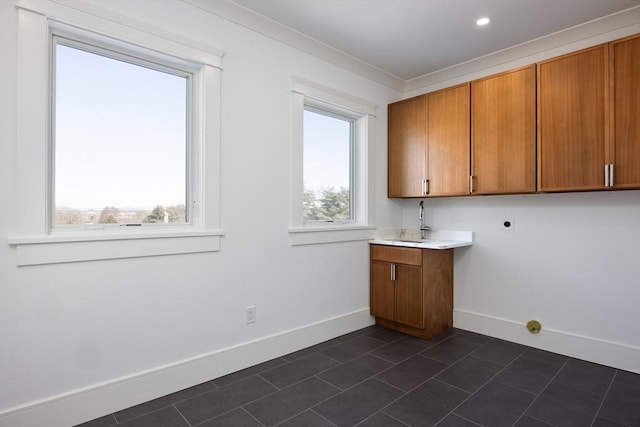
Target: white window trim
<point>361,228</point>
<point>30,229</point>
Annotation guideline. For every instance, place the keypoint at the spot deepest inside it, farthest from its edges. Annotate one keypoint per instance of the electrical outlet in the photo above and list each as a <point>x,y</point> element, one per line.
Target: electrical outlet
<point>508,225</point>
<point>251,314</point>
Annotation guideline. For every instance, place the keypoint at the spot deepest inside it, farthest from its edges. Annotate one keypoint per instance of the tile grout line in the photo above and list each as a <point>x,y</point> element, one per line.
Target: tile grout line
<point>315,375</point>
<point>272,384</point>
<point>249,376</point>
<point>180,413</point>
<point>405,393</point>
<point>245,403</point>
<point>459,416</point>
<point>374,377</point>
<point>419,353</point>
<point>281,389</point>
<point>287,361</point>
<point>484,384</point>
<point>606,393</point>
<point>300,413</point>
<point>393,365</point>
<point>381,412</point>
<point>332,385</point>
<point>542,391</point>
<point>323,417</point>
<point>242,408</point>
<point>319,403</point>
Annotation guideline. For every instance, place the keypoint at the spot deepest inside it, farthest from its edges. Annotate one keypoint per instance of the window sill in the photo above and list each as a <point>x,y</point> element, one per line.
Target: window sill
<point>330,234</point>
<point>65,248</point>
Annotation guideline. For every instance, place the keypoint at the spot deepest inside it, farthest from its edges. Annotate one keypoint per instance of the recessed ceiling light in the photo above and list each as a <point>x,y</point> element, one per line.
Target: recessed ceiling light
<point>483,21</point>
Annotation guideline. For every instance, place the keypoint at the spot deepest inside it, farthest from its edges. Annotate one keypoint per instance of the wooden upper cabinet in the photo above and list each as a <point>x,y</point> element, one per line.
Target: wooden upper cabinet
<point>407,147</point>
<point>573,121</point>
<point>625,112</point>
<point>481,137</point>
<point>448,139</point>
<point>503,133</point>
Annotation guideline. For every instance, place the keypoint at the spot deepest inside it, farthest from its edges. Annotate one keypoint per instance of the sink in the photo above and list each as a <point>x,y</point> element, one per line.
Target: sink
<point>413,240</point>
<point>441,240</point>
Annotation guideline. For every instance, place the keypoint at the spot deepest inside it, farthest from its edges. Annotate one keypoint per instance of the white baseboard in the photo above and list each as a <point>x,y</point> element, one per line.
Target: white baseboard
<point>595,350</point>
<point>91,402</point>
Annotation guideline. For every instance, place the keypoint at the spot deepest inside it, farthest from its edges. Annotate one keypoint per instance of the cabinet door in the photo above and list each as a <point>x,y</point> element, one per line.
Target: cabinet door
<point>625,93</point>
<point>409,295</point>
<point>572,114</point>
<point>382,291</point>
<point>438,289</point>
<point>503,134</point>
<point>448,141</point>
<point>406,148</point>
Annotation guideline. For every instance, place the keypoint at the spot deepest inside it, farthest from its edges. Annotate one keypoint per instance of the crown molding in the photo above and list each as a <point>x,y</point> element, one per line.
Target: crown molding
<point>601,30</point>
<point>253,21</point>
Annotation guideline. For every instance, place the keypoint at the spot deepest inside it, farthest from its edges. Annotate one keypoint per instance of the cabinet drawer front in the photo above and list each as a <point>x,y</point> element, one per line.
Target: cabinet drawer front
<point>410,256</point>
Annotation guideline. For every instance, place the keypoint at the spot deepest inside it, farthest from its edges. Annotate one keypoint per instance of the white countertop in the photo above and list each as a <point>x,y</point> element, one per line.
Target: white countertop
<point>437,239</point>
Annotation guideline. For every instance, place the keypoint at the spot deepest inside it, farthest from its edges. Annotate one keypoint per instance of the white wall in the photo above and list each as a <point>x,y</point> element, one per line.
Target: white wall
<point>83,339</point>
<point>571,262</point>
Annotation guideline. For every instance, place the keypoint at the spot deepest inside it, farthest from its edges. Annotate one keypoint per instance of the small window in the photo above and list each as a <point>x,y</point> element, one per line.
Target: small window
<point>331,166</point>
<point>120,139</point>
<point>328,166</point>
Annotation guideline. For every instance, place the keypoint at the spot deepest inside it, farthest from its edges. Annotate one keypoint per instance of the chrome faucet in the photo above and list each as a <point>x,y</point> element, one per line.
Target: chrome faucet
<point>423,228</point>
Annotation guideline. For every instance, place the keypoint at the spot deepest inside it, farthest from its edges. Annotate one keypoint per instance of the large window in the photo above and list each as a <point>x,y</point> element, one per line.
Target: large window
<point>328,166</point>
<point>120,138</point>
<point>331,154</point>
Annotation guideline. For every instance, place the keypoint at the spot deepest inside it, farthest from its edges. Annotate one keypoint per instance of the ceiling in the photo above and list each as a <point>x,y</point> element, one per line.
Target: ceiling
<point>408,39</point>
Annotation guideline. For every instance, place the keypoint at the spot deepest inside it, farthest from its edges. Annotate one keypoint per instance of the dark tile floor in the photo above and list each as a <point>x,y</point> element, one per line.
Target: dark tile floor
<point>376,377</point>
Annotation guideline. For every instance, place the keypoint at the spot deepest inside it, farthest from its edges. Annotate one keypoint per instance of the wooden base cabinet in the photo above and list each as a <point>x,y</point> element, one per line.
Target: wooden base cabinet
<point>412,289</point>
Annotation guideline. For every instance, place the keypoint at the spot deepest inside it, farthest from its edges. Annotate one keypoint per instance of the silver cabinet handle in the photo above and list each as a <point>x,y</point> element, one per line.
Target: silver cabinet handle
<point>426,187</point>
<point>611,175</point>
<point>470,184</point>
<point>393,272</point>
<point>606,175</point>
